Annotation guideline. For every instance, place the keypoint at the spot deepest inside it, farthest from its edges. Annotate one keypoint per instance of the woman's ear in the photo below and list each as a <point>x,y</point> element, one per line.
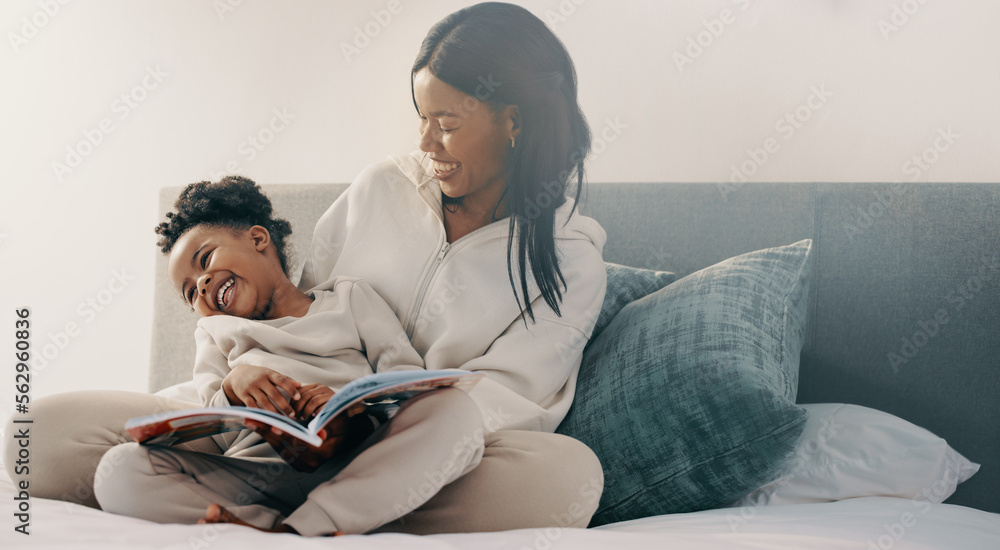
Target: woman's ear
<point>512,116</point>
<point>261,237</point>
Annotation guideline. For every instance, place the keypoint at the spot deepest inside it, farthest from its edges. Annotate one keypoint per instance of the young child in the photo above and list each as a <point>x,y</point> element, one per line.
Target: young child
<point>262,342</point>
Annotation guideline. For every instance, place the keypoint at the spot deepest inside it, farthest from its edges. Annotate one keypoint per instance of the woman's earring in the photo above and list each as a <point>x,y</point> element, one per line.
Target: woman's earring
<point>512,142</point>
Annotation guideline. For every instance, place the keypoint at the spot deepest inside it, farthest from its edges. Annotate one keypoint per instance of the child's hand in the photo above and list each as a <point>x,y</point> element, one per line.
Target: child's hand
<point>311,399</point>
<point>339,436</point>
<point>259,387</point>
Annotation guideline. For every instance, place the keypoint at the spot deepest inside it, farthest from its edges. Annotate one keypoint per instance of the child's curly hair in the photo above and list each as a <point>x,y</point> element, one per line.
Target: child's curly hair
<point>233,202</point>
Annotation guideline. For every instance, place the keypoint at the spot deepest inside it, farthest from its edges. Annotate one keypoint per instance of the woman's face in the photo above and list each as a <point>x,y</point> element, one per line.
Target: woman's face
<point>467,141</point>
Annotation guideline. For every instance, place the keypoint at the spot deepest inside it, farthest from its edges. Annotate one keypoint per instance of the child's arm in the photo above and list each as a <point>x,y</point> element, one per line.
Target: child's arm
<point>210,368</point>
<point>385,342</point>
<point>221,386</point>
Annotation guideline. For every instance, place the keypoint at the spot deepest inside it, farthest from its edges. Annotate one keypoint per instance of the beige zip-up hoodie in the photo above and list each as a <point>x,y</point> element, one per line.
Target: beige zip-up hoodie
<point>454,300</point>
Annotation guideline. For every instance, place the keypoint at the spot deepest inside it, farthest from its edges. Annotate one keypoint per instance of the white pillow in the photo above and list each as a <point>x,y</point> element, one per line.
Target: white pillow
<point>849,451</point>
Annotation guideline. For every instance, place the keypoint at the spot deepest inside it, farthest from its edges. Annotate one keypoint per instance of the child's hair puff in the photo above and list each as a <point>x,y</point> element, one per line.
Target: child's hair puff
<point>233,202</point>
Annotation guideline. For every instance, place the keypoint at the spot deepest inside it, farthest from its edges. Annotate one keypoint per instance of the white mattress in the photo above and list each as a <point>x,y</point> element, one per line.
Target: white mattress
<point>864,523</point>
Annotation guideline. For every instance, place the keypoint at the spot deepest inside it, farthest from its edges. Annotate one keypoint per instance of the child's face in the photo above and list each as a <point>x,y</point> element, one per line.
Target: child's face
<point>222,272</point>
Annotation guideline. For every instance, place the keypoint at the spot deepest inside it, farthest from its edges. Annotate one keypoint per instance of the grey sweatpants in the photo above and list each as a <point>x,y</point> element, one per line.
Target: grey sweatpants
<point>520,480</point>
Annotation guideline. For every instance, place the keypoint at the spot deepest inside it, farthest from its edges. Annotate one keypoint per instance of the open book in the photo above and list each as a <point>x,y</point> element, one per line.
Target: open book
<point>174,427</point>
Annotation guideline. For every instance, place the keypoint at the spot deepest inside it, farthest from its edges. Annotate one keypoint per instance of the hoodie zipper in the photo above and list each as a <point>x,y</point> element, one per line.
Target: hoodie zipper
<point>427,196</point>
<point>411,322</point>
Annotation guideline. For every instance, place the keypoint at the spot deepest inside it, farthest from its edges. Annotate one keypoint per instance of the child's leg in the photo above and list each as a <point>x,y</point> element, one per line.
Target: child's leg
<point>168,485</point>
<point>434,439</point>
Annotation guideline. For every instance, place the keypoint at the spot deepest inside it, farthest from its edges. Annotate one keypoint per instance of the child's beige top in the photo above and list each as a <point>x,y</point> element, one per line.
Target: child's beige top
<point>348,332</point>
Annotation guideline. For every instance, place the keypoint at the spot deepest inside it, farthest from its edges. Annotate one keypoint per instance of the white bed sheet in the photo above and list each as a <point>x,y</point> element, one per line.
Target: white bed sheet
<point>873,523</point>
<point>864,523</point>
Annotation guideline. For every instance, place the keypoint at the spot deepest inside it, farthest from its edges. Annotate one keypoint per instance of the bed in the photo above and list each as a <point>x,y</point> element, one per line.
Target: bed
<point>885,453</point>
<point>857,523</point>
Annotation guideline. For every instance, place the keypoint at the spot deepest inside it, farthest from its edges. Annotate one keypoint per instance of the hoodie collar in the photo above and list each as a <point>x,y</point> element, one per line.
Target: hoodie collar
<point>416,166</point>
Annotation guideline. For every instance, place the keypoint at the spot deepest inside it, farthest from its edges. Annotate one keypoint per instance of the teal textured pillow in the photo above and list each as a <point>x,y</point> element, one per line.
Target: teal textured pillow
<point>626,285</point>
<point>688,395</point>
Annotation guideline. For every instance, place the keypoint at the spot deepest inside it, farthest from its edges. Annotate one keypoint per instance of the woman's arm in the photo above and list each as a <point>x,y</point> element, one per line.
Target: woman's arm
<point>210,368</point>
<point>531,371</point>
<point>328,239</point>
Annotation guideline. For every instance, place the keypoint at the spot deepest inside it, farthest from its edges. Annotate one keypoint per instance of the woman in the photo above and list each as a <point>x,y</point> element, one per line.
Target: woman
<point>502,276</point>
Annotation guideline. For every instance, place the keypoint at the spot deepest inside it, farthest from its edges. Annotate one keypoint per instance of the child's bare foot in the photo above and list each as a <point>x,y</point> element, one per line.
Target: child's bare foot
<point>217,514</point>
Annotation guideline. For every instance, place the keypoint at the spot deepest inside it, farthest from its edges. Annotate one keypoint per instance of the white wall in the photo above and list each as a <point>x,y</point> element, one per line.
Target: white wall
<point>886,92</point>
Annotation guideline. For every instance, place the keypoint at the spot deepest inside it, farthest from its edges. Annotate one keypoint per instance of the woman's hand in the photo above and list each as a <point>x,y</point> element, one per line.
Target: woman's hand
<point>261,388</point>
<point>342,434</point>
<point>311,399</point>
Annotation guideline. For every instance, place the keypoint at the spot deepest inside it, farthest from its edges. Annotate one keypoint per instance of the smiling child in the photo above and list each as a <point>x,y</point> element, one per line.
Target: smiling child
<point>262,342</point>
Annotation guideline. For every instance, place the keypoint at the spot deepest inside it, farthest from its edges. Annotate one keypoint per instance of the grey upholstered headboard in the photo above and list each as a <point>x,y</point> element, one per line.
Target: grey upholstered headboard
<point>886,262</point>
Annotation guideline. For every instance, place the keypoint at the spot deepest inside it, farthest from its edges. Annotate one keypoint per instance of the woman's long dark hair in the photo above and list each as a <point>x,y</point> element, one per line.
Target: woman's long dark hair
<point>503,55</point>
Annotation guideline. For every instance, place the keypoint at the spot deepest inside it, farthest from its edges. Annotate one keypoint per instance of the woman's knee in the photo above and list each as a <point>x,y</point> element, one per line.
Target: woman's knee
<point>71,432</point>
<point>569,471</point>
<point>584,481</point>
<point>66,443</point>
